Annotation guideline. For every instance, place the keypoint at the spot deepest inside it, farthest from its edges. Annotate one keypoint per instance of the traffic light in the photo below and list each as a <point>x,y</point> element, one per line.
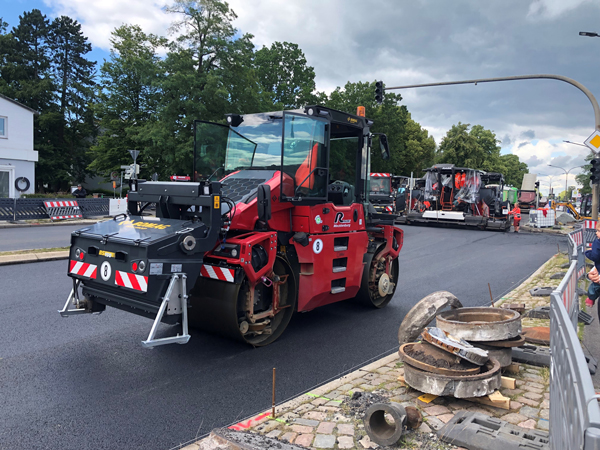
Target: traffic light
<point>379,92</point>
<point>595,171</point>
<point>537,185</point>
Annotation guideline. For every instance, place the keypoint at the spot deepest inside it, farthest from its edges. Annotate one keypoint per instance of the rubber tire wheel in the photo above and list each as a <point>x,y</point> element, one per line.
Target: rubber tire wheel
<point>215,307</point>
<point>27,184</point>
<point>364,295</point>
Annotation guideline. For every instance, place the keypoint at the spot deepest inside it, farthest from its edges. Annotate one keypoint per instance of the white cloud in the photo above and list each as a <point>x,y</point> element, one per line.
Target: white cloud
<point>98,18</point>
<point>551,9</point>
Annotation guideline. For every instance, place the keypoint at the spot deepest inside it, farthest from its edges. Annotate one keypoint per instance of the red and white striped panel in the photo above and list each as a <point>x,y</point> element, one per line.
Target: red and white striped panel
<point>83,269</point>
<point>591,224</point>
<point>578,237</point>
<point>76,216</point>
<point>61,204</point>
<point>217,273</point>
<point>389,208</point>
<point>131,281</point>
<point>580,273</point>
<point>379,174</point>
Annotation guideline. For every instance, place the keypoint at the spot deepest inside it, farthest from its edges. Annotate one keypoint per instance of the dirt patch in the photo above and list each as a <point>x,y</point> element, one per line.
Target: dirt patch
<point>438,362</point>
<point>359,402</point>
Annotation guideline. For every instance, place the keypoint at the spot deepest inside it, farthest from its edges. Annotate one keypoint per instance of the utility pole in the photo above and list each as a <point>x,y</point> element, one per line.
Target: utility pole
<point>572,82</point>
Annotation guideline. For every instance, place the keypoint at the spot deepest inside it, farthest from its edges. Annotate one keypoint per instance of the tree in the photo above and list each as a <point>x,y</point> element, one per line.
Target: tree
<point>26,72</point>
<point>584,177</point>
<point>513,170</point>
<point>209,74</point>
<point>74,78</point>
<point>128,99</point>
<point>411,147</point>
<point>479,149</point>
<point>459,147</point>
<point>284,74</point>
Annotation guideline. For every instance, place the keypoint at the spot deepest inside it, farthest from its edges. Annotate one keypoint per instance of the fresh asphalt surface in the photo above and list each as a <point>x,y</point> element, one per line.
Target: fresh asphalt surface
<point>27,238</point>
<point>85,382</point>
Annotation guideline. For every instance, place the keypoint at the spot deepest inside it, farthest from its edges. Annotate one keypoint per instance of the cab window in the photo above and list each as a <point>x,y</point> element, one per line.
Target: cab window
<point>305,155</point>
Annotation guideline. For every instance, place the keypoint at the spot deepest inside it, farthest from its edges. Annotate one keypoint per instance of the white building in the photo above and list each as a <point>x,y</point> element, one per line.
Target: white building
<point>17,156</point>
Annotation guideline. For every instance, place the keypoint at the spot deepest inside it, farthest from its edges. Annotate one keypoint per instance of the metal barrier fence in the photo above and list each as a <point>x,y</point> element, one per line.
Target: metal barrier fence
<point>94,206</point>
<point>14,209</point>
<point>574,411</point>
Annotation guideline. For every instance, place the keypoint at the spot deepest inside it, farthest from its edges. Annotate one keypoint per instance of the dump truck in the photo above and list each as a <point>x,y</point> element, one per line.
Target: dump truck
<point>287,227</point>
<point>459,196</point>
<point>385,192</point>
<point>528,195</point>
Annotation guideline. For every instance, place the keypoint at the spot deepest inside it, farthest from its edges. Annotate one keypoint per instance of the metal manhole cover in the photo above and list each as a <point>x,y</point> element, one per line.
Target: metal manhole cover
<point>537,335</point>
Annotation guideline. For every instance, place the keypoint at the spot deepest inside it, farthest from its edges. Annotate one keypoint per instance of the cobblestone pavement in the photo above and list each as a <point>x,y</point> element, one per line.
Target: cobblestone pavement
<point>325,417</point>
<point>328,417</point>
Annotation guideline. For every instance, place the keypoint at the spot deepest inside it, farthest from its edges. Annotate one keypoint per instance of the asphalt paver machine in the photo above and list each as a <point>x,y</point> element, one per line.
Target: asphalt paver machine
<point>288,227</point>
<point>459,196</point>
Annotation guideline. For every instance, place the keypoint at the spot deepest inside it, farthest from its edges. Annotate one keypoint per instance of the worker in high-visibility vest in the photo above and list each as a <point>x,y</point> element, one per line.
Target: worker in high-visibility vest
<point>516,213</point>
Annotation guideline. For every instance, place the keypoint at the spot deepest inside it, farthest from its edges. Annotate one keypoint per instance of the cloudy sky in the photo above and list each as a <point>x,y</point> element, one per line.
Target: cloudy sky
<point>405,42</point>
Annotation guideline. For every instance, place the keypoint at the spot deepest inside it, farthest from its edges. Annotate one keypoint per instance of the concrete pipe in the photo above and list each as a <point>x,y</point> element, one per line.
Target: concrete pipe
<point>379,429</point>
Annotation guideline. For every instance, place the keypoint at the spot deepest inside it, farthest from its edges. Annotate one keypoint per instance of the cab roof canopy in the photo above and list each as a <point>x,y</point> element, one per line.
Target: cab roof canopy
<point>449,168</point>
<point>342,123</point>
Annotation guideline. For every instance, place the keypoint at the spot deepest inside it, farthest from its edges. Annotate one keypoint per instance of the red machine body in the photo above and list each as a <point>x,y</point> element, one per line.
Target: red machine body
<point>288,227</point>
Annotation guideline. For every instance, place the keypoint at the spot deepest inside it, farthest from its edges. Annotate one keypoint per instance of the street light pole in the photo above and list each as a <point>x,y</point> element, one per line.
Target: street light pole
<point>595,187</point>
<point>566,177</point>
<point>572,82</point>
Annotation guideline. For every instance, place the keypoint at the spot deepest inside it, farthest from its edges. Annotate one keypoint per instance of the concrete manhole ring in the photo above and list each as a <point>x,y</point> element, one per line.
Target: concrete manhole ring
<point>465,386</point>
<point>480,324</point>
<point>513,342</point>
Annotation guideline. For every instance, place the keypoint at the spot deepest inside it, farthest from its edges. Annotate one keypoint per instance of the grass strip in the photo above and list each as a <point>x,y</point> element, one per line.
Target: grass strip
<point>37,250</point>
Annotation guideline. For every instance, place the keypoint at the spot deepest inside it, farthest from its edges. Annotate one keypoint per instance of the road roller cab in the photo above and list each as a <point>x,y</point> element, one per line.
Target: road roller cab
<point>288,227</point>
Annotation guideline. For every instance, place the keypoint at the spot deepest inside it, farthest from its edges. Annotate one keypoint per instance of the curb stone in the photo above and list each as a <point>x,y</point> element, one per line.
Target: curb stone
<point>51,224</point>
<point>33,257</point>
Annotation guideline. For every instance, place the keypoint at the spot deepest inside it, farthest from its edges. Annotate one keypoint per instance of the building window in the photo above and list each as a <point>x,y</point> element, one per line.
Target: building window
<point>3,121</point>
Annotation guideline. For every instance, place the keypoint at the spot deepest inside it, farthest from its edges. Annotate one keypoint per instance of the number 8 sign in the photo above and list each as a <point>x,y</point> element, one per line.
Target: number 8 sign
<point>318,246</point>
<point>105,271</point>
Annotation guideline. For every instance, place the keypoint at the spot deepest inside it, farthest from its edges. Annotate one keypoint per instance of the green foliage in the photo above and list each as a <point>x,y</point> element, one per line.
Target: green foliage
<point>479,149</point>
<point>584,177</point>
<point>128,100</point>
<point>149,102</point>
<point>411,147</point>
<point>285,76</point>
<point>49,195</point>
<point>513,170</point>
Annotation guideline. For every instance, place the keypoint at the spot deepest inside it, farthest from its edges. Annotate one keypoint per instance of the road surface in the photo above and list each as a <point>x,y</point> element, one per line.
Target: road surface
<point>85,382</point>
<point>27,238</point>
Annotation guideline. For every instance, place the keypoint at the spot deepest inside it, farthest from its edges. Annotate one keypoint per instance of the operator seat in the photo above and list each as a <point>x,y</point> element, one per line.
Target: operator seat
<point>302,177</point>
<point>340,193</point>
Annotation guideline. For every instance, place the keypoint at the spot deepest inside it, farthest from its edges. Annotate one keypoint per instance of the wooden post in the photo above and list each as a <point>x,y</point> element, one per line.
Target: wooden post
<point>273,404</point>
<point>491,298</point>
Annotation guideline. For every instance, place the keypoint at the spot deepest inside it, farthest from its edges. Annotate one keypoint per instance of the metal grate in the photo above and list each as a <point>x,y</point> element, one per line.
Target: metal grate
<point>94,206</point>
